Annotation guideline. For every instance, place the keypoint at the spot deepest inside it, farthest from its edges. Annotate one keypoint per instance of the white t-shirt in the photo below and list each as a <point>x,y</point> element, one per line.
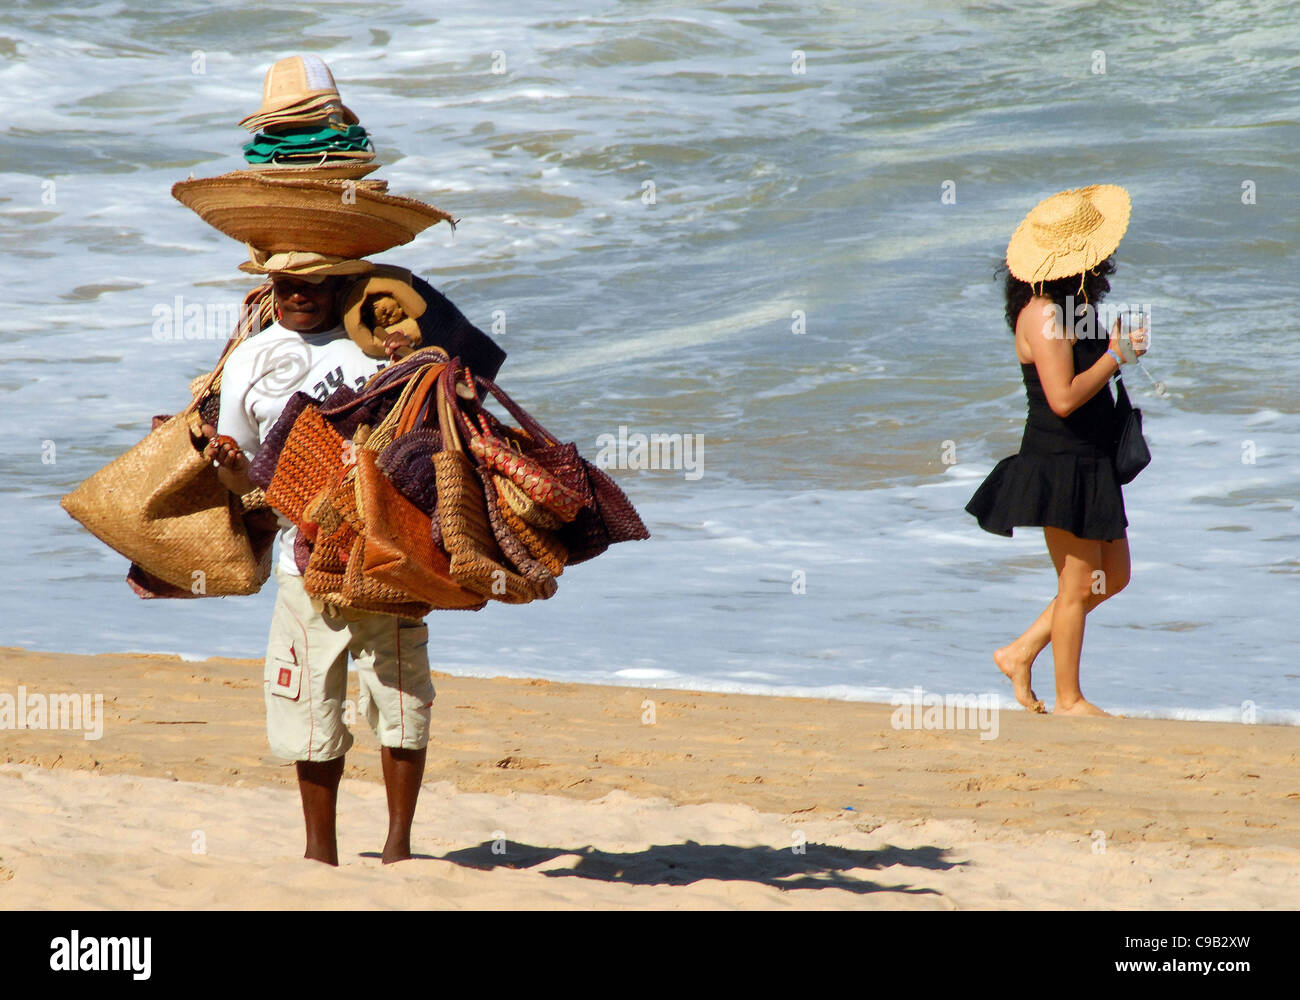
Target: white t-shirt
<point>263,372</point>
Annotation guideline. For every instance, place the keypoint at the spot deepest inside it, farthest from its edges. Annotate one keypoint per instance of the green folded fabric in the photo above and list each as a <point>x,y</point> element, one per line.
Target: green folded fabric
<point>268,148</point>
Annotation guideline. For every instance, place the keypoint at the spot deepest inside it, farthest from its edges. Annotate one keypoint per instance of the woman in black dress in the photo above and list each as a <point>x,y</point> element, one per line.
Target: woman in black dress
<point>1063,479</point>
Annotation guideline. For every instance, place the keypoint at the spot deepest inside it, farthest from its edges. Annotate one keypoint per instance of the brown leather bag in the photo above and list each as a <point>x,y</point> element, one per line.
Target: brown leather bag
<point>611,519</point>
<point>399,554</point>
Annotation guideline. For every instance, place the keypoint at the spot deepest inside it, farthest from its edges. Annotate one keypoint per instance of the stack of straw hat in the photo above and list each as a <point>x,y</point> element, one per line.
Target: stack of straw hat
<point>303,124</point>
<point>307,211</point>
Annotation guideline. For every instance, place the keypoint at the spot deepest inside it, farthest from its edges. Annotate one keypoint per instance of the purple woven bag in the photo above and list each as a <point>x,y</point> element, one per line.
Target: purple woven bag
<point>408,463</point>
<point>611,519</point>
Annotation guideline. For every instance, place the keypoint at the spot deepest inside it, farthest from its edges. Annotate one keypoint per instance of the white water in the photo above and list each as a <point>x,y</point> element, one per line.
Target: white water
<point>776,192</point>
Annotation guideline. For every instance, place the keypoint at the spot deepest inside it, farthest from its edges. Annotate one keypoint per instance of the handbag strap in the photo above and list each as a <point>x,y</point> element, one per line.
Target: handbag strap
<point>415,410</point>
<point>526,420</point>
<point>385,381</point>
<point>1122,401</point>
<point>243,329</point>
<point>385,431</point>
<point>340,408</point>
<point>446,393</point>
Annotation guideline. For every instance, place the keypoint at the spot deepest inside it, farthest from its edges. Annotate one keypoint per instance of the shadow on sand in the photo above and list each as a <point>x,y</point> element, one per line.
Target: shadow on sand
<point>819,866</point>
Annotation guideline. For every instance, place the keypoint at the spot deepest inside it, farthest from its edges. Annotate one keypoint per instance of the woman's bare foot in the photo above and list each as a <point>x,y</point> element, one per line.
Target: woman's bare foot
<point>1081,707</point>
<point>1017,670</point>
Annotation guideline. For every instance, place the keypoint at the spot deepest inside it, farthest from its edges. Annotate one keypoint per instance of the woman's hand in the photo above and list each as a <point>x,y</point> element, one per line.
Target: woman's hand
<point>1138,338</point>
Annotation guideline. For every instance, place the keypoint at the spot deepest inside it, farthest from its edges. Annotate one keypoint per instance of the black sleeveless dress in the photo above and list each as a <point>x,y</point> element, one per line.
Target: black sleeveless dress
<point>1064,476</point>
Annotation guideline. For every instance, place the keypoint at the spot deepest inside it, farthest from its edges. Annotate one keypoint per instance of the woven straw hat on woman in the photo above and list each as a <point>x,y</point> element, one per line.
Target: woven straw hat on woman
<point>1069,233</point>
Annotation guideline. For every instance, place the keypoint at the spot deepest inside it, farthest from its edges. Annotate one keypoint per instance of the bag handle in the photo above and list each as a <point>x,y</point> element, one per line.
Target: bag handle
<point>526,420</point>
<point>383,433</point>
<point>243,329</point>
<point>415,410</point>
<point>385,382</point>
<point>340,408</point>
<point>446,391</point>
<point>463,419</point>
<point>452,422</point>
<point>1121,394</point>
<point>249,311</point>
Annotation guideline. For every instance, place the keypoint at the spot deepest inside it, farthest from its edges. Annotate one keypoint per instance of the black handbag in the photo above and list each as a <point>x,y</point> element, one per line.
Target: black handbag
<point>1131,452</point>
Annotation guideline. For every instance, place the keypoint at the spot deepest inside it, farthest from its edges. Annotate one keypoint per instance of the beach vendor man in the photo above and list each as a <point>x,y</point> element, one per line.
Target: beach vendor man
<point>308,349</point>
<point>308,224</point>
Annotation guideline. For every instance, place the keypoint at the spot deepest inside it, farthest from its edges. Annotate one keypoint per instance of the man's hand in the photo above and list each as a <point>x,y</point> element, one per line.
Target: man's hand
<point>224,450</point>
<point>396,344</point>
<point>233,463</point>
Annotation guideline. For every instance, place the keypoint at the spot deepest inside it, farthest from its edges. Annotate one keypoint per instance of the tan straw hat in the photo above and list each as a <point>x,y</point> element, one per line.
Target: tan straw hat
<point>325,170</point>
<point>340,218</point>
<point>1069,233</point>
<point>302,264</point>
<point>298,82</point>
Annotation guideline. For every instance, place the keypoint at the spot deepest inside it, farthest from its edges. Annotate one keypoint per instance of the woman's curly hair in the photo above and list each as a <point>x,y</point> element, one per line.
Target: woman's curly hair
<point>1095,286</point>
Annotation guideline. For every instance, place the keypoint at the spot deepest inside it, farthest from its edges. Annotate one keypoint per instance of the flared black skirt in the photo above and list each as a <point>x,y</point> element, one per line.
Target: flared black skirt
<point>1076,491</point>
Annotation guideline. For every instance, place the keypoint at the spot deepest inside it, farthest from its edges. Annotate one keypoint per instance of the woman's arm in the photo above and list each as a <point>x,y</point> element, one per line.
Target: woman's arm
<point>1065,390</point>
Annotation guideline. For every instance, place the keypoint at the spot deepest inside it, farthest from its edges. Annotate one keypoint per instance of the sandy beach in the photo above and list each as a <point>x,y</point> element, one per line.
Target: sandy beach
<point>548,795</point>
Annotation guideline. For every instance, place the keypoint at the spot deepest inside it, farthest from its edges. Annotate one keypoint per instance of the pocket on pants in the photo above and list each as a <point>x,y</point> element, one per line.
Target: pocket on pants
<point>413,651</point>
<point>284,677</point>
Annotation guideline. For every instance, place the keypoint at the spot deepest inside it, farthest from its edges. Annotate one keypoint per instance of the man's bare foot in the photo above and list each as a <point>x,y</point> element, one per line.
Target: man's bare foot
<point>1081,707</point>
<point>1018,671</point>
<point>396,849</point>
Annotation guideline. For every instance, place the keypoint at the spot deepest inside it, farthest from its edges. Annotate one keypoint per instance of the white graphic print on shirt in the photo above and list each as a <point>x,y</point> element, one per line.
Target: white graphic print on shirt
<point>262,374</point>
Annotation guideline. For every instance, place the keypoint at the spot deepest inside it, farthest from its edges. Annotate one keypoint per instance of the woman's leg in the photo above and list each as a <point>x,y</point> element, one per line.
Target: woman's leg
<point>1077,561</point>
<point>1115,567</point>
<point>1016,659</point>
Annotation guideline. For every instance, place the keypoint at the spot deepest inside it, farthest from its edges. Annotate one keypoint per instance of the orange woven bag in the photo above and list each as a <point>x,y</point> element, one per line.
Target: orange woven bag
<point>311,460</point>
<point>542,544</point>
<point>472,550</point>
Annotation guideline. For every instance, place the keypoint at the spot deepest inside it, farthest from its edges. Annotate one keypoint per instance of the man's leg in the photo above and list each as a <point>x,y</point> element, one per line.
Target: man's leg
<point>392,662</point>
<point>403,773</point>
<point>318,784</point>
<point>306,684</point>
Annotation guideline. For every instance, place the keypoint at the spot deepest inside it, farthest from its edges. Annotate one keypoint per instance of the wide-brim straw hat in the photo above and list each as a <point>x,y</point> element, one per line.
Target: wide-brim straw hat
<point>294,83</point>
<point>341,218</point>
<point>1069,233</point>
